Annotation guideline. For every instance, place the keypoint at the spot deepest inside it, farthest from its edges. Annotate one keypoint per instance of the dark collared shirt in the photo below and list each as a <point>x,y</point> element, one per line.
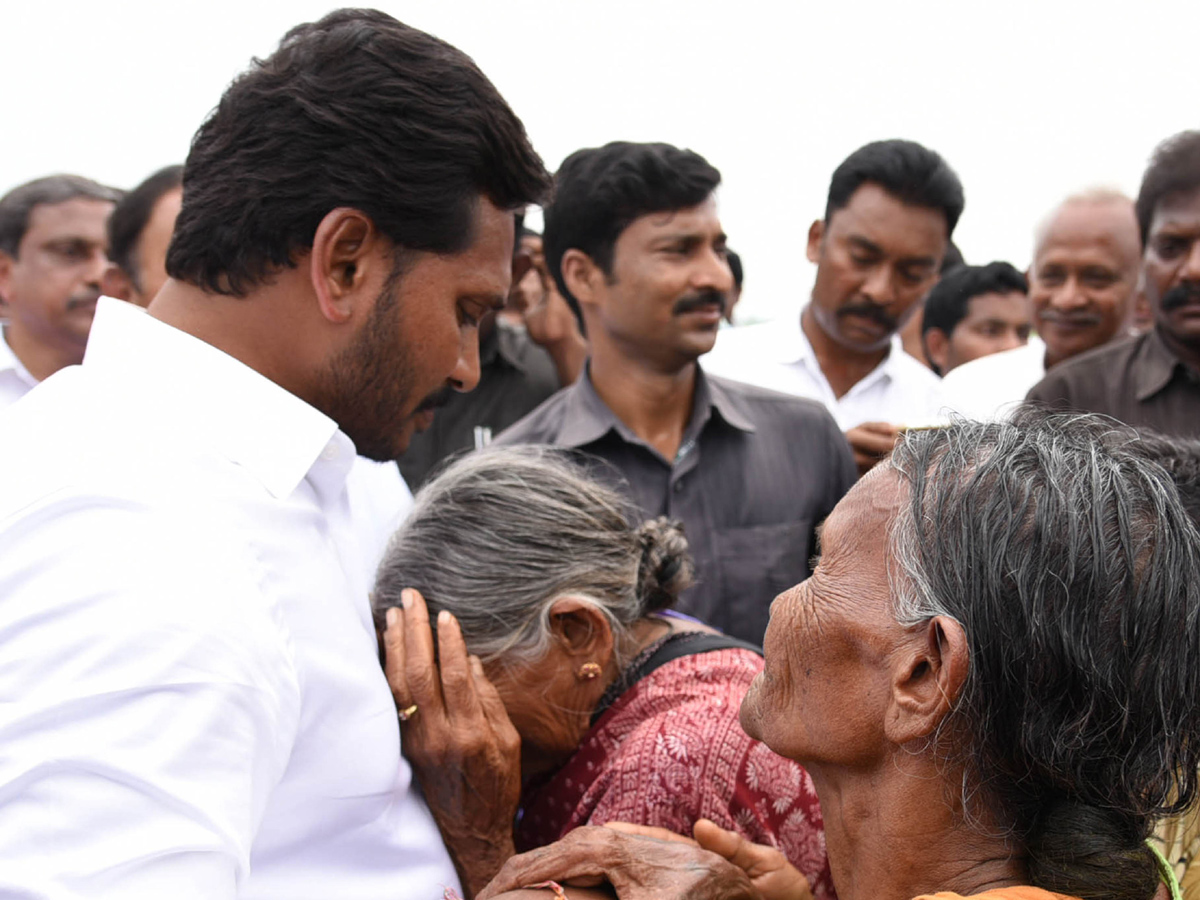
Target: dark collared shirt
<point>756,472</point>
<point>1138,381</point>
<point>515,375</point>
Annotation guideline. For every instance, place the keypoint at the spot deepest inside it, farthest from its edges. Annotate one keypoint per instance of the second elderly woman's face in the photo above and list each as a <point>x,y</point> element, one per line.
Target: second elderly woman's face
<point>825,685</point>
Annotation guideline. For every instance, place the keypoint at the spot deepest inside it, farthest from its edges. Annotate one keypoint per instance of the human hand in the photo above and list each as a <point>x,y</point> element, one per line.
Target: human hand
<point>637,867</point>
<point>464,750</point>
<point>768,869</point>
<point>871,442</point>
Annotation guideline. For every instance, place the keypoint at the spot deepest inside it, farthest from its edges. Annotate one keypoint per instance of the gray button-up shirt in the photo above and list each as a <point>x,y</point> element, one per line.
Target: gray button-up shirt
<point>756,472</point>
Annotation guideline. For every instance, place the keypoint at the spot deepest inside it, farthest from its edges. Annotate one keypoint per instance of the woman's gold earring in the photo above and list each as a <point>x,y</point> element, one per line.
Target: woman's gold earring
<point>590,671</point>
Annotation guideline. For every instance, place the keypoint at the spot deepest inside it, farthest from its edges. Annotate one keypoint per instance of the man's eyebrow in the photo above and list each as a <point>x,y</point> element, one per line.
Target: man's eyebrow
<point>486,298</point>
<point>865,244</point>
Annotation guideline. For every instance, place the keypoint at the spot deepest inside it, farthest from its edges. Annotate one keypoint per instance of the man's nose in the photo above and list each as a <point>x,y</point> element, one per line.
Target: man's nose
<point>1011,340</point>
<point>1190,271</point>
<point>879,286</point>
<point>713,273</point>
<point>1068,295</point>
<point>465,376</point>
<point>97,265</point>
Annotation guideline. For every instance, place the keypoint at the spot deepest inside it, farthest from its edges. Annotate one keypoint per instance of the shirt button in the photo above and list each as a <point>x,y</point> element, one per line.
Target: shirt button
<point>678,486</point>
<point>330,451</point>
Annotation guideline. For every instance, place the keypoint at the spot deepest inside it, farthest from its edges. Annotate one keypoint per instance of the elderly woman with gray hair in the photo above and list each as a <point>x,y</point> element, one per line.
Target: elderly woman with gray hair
<point>625,712</point>
<point>993,676</point>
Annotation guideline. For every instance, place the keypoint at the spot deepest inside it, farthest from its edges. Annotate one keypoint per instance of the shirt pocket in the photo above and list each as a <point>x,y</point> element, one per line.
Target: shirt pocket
<point>757,563</point>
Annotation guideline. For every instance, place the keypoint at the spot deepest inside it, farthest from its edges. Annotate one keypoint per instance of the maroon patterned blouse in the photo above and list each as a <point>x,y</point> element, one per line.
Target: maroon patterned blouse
<point>669,751</point>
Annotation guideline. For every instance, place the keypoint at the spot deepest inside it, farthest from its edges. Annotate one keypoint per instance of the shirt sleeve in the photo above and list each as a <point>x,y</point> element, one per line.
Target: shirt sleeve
<point>148,703</point>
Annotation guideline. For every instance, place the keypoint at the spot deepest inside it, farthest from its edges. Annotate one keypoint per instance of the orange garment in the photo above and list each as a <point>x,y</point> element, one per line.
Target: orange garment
<point>1019,892</point>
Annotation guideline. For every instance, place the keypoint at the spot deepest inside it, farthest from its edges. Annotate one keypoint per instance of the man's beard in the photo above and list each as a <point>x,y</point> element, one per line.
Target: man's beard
<point>370,383</point>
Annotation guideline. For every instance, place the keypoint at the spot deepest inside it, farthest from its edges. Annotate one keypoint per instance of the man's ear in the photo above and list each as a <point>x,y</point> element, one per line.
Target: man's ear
<point>581,275</point>
<point>343,262</point>
<point>816,234</point>
<point>929,674</point>
<point>115,283</point>
<point>582,631</point>
<point>937,348</point>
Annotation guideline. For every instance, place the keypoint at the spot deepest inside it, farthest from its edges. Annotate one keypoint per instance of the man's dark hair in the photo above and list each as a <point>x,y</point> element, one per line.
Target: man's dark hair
<point>599,191</point>
<point>17,204</point>
<point>356,110</point>
<point>912,174</point>
<point>735,268</point>
<point>947,303</point>
<point>129,218</point>
<point>1065,555</point>
<point>1174,169</point>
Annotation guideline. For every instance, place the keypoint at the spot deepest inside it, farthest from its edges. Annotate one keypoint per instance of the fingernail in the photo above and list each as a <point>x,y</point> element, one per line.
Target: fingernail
<point>406,598</point>
<point>391,616</point>
<point>443,618</point>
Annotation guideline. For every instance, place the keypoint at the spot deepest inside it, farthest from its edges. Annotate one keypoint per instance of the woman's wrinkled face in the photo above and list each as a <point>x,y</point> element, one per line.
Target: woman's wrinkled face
<point>823,691</point>
<point>548,705</point>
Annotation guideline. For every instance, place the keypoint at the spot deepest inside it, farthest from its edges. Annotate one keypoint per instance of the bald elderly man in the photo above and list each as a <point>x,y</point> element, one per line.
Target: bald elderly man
<point>1082,285</point>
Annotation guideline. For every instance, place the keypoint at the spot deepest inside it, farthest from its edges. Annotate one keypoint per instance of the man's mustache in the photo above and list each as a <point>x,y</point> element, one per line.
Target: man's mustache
<point>1180,295</point>
<point>1081,318</point>
<point>83,300</point>
<point>435,400</point>
<point>870,311</point>
<point>701,300</point>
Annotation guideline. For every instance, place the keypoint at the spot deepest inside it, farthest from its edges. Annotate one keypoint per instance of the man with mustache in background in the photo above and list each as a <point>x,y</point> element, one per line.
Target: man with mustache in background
<point>53,245</point>
<point>1082,284</point>
<point>1151,380</point>
<point>635,245</point>
<point>890,213</point>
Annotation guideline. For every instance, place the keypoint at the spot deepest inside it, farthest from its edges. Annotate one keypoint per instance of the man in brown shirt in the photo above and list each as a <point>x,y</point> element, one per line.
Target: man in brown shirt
<point>635,244</point>
<point>1151,380</point>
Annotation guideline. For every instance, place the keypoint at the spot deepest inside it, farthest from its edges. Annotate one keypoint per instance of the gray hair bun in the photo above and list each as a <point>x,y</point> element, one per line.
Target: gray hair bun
<point>666,568</point>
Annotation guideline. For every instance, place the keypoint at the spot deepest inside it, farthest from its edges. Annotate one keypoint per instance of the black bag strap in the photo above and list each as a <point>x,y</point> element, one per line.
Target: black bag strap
<point>672,647</point>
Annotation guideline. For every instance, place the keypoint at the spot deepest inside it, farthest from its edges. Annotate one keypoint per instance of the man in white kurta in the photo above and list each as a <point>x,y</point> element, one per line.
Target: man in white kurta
<point>190,645</point>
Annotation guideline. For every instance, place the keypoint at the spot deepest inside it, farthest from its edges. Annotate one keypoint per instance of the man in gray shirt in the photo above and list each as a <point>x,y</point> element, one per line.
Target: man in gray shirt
<point>634,243</point>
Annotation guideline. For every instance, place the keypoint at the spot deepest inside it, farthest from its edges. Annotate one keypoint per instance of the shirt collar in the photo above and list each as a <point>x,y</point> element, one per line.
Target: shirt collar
<point>587,417</point>
<point>219,401</point>
<point>1155,368</point>
<point>10,363</point>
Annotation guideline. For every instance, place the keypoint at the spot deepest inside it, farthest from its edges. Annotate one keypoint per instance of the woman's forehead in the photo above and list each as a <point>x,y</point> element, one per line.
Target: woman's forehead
<point>863,514</point>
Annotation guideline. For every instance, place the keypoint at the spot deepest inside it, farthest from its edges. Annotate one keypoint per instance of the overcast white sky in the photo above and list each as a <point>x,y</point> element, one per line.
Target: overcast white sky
<point>1027,100</point>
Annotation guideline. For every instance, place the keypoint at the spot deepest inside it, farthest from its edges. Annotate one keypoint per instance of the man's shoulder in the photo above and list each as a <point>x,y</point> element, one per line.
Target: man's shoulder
<point>543,424</point>
<point>1089,372</point>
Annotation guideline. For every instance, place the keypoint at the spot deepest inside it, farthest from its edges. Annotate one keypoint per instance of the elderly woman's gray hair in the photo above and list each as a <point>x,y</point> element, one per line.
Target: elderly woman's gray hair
<point>1065,554</point>
<point>500,535</point>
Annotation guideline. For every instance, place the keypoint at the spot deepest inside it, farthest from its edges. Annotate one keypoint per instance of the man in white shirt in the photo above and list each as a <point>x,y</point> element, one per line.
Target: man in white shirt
<point>191,702</point>
<point>1082,285</point>
<point>890,213</point>
<point>53,245</point>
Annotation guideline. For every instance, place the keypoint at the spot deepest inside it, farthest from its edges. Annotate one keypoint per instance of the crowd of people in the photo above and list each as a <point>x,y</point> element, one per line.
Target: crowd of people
<point>359,541</point>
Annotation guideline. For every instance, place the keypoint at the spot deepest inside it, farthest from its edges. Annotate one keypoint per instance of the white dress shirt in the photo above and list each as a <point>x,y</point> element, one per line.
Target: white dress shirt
<point>778,355</point>
<point>15,380</point>
<point>991,387</point>
<point>191,702</point>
